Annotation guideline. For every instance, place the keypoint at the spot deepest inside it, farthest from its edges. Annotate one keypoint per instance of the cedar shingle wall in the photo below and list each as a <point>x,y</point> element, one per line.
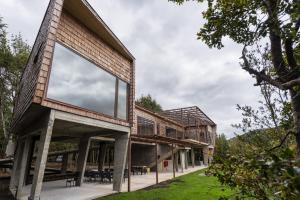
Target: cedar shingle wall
<point>76,36</point>
<point>30,78</point>
<point>60,26</point>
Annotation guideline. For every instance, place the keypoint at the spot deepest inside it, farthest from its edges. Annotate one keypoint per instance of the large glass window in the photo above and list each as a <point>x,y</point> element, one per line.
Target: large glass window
<point>76,81</point>
<point>122,100</point>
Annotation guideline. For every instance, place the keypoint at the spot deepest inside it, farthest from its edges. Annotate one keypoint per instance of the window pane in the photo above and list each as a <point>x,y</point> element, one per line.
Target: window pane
<point>145,126</point>
<point>75,80</point>
<point>122,100</point>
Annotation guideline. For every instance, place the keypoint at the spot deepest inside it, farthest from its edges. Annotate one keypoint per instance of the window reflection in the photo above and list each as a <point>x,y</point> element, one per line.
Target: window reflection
<point>145,126</point>
<point>76,81</point>
<point>122,100</point>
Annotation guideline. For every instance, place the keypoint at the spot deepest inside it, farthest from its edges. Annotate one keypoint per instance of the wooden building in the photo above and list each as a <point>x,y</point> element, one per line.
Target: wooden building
<point>79,85</point>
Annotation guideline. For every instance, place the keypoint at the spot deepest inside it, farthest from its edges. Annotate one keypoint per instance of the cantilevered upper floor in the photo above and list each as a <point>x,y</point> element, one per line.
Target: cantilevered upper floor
<point>77,65</point>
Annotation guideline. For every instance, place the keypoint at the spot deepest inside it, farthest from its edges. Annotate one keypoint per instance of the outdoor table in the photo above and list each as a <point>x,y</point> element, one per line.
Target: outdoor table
<point>141,169</point>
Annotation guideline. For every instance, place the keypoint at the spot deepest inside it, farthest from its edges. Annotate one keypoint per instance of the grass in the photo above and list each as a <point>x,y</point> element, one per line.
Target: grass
<point>187,187</point>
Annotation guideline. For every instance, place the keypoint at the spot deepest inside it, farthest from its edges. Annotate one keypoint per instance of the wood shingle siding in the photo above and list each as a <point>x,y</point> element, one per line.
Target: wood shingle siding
<point>61,25</point>
<point>33,78</point>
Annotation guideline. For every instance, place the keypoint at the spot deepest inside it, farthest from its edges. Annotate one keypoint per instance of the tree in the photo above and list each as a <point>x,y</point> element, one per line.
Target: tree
<point>149,103</point>
<point>270,26</point>
<point>13,57</point>
<point>261,163</point>
<point>222,147</point>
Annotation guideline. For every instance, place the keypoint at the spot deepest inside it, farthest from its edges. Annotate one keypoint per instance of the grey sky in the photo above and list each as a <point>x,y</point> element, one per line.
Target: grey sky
<point>171,64</point>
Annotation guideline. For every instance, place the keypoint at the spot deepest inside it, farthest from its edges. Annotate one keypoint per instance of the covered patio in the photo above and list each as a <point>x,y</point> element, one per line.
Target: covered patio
<point>92,190</point>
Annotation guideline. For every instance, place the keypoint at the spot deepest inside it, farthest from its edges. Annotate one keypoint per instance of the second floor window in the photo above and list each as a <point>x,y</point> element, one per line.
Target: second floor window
<point>76,81</point>
<point>145,126</point>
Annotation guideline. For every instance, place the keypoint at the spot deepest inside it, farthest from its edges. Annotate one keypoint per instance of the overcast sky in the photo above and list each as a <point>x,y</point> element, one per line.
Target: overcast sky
<point>171,64</point>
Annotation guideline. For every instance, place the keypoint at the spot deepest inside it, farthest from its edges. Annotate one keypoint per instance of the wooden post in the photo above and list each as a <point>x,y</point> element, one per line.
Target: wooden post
<point>156,162</point>
<point>108,158</point>
<point>173,161</point>
<point>129,163</point>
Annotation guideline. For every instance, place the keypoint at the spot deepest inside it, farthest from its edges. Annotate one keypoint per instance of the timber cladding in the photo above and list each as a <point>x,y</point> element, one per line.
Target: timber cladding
<point>157,119</point>
<point>79,38</point>
<point>61,26</point>
<point>31,79</point>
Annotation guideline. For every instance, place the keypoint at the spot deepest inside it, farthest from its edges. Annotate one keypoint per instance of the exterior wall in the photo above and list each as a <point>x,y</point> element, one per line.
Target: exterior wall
<point>60,26</point>
<point>163,123</point>
<point>203,133</point>
<point>33,79</point>
<point>76,36</point>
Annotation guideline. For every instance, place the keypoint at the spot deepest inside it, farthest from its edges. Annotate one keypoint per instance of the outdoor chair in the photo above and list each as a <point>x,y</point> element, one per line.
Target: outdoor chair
<point>107,175</point>
<point>125,174</point>
<point>70,182</point>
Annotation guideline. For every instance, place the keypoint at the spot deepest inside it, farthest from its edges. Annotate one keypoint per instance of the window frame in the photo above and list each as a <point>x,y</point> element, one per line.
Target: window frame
<point>114,116</point>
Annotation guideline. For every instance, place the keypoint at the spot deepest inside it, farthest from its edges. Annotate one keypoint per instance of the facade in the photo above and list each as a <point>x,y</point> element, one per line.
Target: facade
<point>79,86</point>
<point>188,132</point>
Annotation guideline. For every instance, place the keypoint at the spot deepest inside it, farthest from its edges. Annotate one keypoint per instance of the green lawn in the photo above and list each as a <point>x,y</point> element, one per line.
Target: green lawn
<point>189,187</point>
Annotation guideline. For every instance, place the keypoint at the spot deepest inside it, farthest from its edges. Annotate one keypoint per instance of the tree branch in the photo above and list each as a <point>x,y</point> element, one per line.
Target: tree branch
<point>282,141</point>
<point>289,53</point>
<point>297,26</point>
<point>292,83</point>
<point>275,39</point>
<point>260,76</point>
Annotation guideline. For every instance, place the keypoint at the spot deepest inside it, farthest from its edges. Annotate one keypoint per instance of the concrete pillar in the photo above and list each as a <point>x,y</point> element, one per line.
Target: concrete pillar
<point>121,145</point>
<point>83,152</point>
<point>182,159</point>
<point>29,161</point>
<point>173,161</point>
<point>64,164</point>
<point>15,170</point>
<point>41,158</point>
<point>129,164</point>
<point>186,164</point>
<point>205,155</point>
<point>193,157</point>
<point>23,166</point>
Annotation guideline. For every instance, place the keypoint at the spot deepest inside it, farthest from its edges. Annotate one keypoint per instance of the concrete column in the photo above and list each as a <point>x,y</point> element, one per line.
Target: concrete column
<point>15,171</point>
<point>182,159</point>
<point>83,152</point>
<point>41,158</point>
<point>129,164</point>
<point>173,161</point>
<point>64,164</point>
<point>193,157</point>
<point>205,155</point>
<point>121,145</point>
<point>23,166</point>
<point>186,165</point>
